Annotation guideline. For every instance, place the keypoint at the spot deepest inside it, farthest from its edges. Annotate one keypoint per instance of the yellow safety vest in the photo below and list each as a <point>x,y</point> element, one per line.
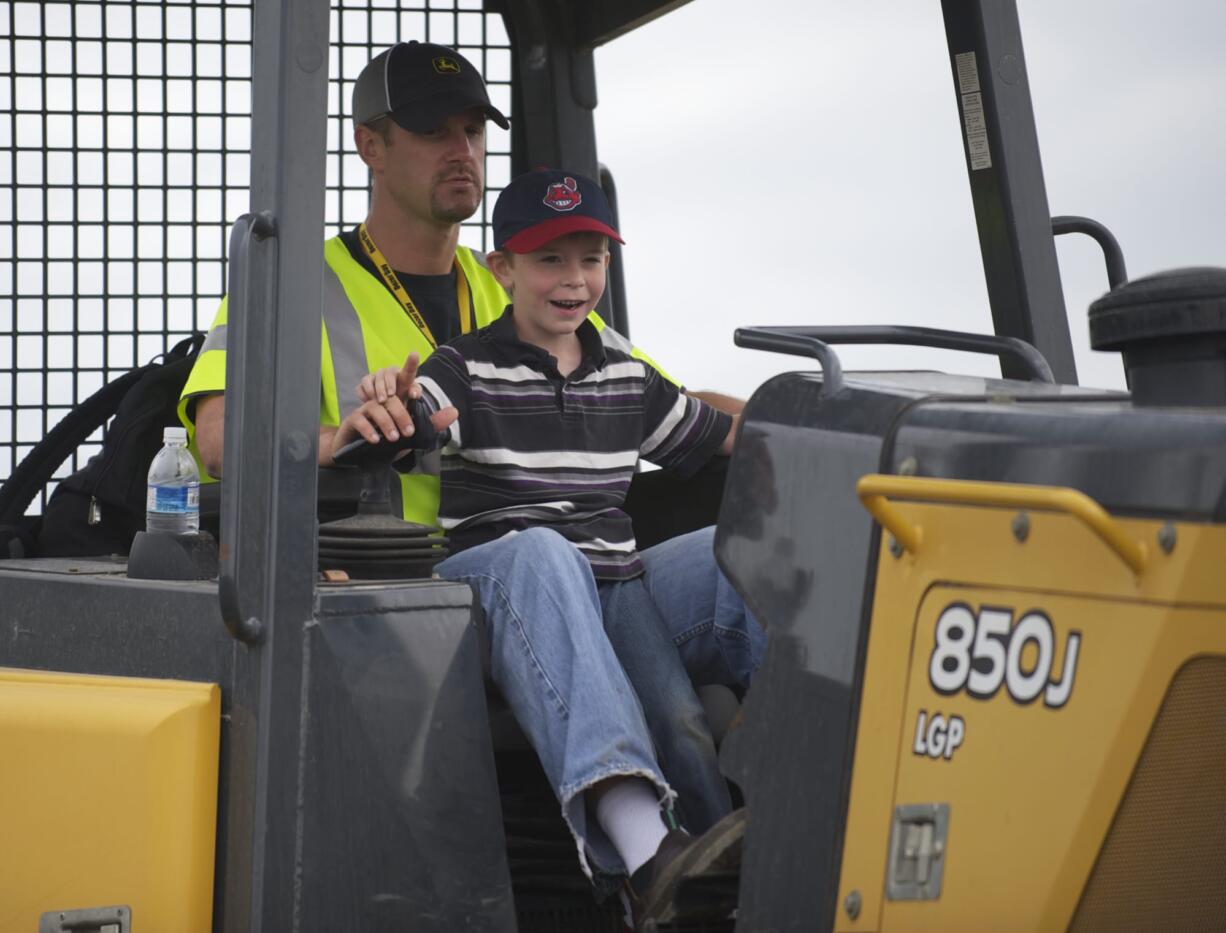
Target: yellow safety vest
<point>365,329</point>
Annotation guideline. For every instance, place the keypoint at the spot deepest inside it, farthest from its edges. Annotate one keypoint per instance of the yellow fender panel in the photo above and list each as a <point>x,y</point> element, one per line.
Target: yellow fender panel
<point>108,796</point>
<point>1021,646</point>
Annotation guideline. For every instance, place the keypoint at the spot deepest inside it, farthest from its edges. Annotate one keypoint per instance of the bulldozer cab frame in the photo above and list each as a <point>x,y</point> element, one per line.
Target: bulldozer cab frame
<point>316,677</point>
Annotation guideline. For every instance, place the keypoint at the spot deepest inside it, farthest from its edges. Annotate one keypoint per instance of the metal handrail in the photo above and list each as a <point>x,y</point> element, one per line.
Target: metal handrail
<point>1012,347</point>
<point>875,491</point>
<point>1117,274</point>
<point>240,622</point>
<point>789,340</point>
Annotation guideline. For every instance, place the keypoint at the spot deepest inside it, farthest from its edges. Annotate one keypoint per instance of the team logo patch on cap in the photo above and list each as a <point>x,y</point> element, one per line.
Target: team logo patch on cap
<point>446,66</point>
<point>563,195</point>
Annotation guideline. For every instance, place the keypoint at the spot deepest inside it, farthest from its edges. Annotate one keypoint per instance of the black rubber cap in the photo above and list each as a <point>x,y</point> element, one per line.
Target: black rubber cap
<point>163,556</point>
<point>1179,303</point>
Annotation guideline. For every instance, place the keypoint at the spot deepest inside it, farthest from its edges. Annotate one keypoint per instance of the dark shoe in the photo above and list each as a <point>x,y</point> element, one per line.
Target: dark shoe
<point>690,877</point>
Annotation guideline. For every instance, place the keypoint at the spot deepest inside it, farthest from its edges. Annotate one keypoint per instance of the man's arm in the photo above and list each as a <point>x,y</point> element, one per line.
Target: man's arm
<point>211,431</point>
<point>725,447</point>
<point>717,400</point>
<point>372,420</point>
<point>211,434</point>
<point>613,338</point>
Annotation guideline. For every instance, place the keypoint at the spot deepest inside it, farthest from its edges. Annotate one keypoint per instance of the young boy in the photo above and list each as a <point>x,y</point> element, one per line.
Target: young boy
<point>547,423</point>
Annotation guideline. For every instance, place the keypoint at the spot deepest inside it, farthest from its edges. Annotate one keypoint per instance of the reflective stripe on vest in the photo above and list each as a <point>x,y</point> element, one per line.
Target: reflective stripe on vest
<point>611,338</point>
<point>383,335</point>
<point>216,339</point>
<point>345,342</point>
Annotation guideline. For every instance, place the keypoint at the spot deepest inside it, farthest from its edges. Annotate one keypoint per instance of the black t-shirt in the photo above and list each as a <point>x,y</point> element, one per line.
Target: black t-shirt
<point>434,295</point>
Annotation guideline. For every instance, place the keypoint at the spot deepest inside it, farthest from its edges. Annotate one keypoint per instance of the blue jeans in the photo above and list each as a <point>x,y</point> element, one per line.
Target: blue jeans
<point>719,640</point>
<point>551,659</point>
<point>715,640</point>
<point>601,677</point>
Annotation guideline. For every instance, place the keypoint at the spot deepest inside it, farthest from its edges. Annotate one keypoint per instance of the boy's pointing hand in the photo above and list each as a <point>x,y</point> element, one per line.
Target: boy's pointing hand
<point>391,382</point>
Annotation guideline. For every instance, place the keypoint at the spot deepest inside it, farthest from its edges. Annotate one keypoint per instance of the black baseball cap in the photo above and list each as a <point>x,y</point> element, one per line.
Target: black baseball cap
<point>420,85</point>
<point>538,207</point>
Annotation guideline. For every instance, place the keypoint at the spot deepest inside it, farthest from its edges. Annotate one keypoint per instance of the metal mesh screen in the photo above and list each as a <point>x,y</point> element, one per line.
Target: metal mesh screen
<point>1162,864</point>
<point>124,138</point>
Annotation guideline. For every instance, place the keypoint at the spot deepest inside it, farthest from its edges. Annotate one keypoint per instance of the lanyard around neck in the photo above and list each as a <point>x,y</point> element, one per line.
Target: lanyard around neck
<point>462,293</point>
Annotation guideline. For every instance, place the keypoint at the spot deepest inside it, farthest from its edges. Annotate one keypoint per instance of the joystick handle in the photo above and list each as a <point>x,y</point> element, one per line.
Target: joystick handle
<point>375,460</point>
<point>363,455</point>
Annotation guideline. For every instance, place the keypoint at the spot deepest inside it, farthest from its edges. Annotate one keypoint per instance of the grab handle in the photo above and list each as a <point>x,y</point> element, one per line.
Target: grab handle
<point>875,491</point>
<point>1117,273</point>
<point>795,342</point>
<point>237,584</point>
<point>801,340</point>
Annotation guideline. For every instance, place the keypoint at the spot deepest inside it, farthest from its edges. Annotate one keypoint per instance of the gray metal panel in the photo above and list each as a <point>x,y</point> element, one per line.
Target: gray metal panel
<point>601,21</point>
<point>554,89</point>
<point>397,768</point>
<point>93,621</point>
<point>1162,463</point>
<point>1006,179</point>
<point>796,543</point>
<point>804,572</point>
<point>808,572</point>
<point>272,408</point>
<point>395,820</point>
<point>613,306</point>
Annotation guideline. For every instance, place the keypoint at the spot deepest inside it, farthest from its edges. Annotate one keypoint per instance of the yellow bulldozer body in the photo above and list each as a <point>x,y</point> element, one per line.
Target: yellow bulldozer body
<point>1053,691</point>
<point>108,800</point>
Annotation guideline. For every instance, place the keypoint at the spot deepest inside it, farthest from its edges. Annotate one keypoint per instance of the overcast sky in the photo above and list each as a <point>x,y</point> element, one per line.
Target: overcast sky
<point>785,161</point>
<point>795,161</point>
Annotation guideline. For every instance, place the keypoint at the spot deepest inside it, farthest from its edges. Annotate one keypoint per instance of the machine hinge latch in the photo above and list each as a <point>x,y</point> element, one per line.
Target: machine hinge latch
<point>116,919</point>
<point>917,852</point>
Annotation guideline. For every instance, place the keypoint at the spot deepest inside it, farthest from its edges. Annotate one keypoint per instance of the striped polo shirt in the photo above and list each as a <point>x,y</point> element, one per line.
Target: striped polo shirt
<point>532,447</point>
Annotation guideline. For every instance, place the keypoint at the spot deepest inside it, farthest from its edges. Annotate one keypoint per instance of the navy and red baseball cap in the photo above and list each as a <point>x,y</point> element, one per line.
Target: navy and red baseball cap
<point>538,207</point>
<point>420,85</point>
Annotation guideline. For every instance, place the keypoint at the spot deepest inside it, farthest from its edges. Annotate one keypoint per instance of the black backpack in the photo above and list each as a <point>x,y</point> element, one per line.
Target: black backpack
<point>98,509</point>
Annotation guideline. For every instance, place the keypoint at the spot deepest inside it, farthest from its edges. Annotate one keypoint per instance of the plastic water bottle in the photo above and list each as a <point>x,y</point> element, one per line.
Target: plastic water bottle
<point>172,500</point>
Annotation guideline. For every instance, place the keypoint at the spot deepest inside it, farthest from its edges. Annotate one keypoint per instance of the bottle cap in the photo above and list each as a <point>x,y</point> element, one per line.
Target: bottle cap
<point>174,434</point>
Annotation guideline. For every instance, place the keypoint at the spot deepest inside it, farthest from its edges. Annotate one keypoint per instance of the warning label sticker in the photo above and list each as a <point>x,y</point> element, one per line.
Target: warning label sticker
<point>972,111</point>
<point>968,72</point>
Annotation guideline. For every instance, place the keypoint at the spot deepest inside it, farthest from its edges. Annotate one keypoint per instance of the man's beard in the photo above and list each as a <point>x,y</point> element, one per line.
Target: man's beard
<point>457,207</point>
<point>453,213</point>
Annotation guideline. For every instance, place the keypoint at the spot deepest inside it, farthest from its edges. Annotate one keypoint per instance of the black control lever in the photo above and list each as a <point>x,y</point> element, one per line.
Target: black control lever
<point>376,460</point>
<point>363,455</point>
<point>402,549</point>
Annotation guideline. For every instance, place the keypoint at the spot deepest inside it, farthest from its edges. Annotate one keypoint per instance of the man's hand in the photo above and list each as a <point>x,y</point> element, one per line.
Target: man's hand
<point>210,434</point>
<point>383,412</point>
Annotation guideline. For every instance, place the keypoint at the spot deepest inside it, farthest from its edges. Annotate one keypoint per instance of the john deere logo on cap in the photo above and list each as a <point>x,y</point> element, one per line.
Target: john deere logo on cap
<point>446,66</point>
<point>563,195</point>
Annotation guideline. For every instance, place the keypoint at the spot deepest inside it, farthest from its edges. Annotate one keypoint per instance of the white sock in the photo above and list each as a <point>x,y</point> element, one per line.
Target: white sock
<point>628,810</point>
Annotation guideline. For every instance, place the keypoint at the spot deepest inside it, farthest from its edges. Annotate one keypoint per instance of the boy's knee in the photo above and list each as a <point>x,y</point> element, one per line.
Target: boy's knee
<point>545,548</point>
<point>539,536</point>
